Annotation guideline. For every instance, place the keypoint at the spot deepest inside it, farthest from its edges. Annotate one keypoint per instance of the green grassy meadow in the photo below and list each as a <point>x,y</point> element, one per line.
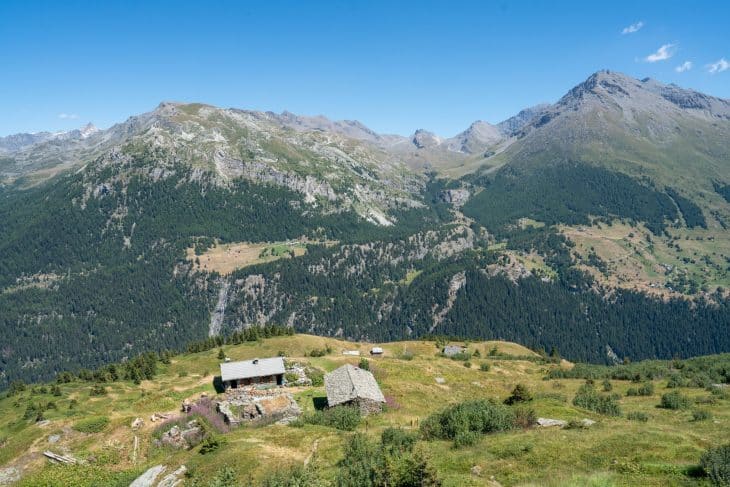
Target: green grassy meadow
<point>613,452</point>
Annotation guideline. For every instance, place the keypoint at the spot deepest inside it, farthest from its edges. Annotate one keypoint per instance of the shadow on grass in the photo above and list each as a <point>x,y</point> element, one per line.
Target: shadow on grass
<point>218,384</point>
<point>694,471</point>
<point>320,403</point>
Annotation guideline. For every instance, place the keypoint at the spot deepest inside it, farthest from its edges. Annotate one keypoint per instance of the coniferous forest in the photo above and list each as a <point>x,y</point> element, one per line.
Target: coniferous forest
<point>89,280</point>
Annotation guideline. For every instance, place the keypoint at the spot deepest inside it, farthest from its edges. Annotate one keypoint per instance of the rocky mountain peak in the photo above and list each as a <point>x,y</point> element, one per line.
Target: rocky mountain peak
<point>423,139</point>
<point>87,130</point>
<point>476,138</point>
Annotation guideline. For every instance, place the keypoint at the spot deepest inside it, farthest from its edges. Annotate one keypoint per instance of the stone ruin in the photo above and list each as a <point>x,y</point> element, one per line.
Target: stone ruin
<point>258,406</point>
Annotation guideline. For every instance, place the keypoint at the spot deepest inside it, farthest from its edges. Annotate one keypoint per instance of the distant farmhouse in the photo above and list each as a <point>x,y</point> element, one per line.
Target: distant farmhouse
<point>376,351</point>
<point>264,371</point>
<point>350,385</point>
<point>451,350</point>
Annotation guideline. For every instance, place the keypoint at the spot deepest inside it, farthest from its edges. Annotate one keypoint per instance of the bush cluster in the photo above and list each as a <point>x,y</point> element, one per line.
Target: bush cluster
<point>464,422</point>
<point>637,416</point>
<point>588,398</point>
<point>345,418</point>
<point>701,415</point>
<point>645,390</point>
<point>394,462</point>
<point>674,400</point>
<point>716,464</point>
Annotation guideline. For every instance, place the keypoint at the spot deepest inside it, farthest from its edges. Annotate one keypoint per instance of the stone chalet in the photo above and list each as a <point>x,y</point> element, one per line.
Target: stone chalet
<point>350,385</point>
<point>264,371</point>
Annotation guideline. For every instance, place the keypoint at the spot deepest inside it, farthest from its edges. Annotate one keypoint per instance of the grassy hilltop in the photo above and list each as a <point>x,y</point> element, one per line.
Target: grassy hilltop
<point>664,450</point>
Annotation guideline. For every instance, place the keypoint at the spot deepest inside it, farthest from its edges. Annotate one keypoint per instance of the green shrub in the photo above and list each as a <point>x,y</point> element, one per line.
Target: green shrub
<point>484,367</point>
<point>345,418</point>
<point>675,380</point>
<point>467,364</point>
<point>588,398</point>
<point>94,424</point>
<point>632,391</point>
<point>701,415</point>
<point>367,464</point>
<point>525,417</point>
<point>519,394</point>
<point>16,387</point>
<point>646,389</point>
<point>607,387</point>
<point>462,356</point>
<point>716,464</point>
<point>320,352</point>
<point>316,376</point>
<point>706,400</point>
<point>211,443</point>
<point>674,400</point>
<point>478,416</point>
<point>291,377</point>
<point>637,416</point>
<point>364,364</point>
<point>97,390</point>
<point>399,439</point>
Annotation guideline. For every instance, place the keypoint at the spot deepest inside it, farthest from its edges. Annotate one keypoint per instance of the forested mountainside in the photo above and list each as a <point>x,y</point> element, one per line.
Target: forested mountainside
<point>193,220</point>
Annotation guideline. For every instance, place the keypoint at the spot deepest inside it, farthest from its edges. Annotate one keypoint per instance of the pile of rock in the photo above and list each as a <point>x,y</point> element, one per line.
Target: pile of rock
<point>301,373</point>
<point>182,437</point>
<point>259,406</point>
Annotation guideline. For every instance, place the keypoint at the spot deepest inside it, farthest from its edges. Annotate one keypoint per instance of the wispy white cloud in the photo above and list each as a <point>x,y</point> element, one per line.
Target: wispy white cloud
<point>68,116</point>
<point>685,66</point>
<point>718,67</point>
<point>662,54</point>
<point>632,28</point>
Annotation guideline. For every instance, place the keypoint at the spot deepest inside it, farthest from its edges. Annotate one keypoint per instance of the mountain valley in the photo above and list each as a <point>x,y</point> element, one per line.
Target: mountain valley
<point>598,222</point>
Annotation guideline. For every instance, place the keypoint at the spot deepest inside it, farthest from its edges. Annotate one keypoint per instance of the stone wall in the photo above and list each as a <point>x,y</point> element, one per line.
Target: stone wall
<point>368,406</point>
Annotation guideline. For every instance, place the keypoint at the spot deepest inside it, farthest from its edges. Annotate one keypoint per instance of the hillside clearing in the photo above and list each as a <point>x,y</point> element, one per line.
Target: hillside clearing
<point>226,258</point>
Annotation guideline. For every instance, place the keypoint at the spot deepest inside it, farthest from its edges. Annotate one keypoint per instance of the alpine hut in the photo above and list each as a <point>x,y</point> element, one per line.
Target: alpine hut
<point>351,385</point>
<point>264,371</point>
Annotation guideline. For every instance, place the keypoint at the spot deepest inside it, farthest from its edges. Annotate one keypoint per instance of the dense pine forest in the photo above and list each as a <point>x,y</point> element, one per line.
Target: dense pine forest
<point>94,273</point>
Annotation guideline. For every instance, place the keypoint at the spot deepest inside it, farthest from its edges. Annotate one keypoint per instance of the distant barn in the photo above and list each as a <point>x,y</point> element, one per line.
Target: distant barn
<point>376,351</point>
<point>350,385</point>
<point>265,371</point>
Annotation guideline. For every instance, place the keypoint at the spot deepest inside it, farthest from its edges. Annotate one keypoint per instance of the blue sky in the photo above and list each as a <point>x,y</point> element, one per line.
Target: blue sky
<point>395,66</point>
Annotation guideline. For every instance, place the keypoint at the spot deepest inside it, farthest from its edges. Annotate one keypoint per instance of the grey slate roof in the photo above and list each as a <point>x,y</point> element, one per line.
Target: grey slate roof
<point>348,383</point>
<point>252,368</point>
<point>451,350</point>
